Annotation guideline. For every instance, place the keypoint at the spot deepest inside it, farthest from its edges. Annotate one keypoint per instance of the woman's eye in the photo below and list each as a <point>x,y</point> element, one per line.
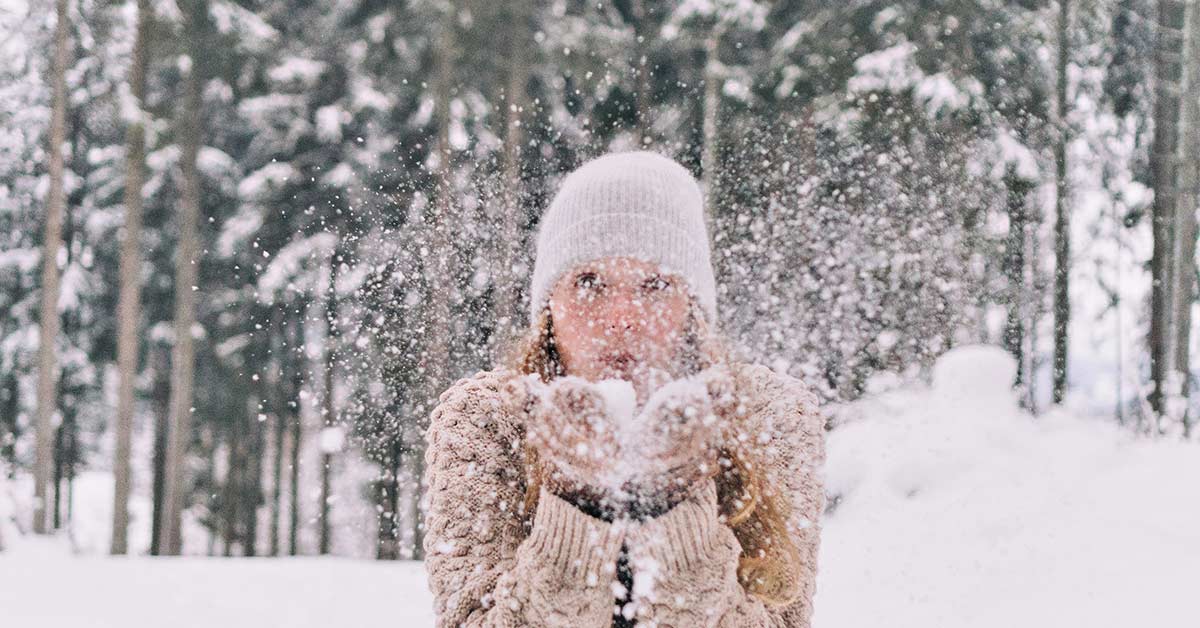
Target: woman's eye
<point>657,283</point>
<point>587,281</point>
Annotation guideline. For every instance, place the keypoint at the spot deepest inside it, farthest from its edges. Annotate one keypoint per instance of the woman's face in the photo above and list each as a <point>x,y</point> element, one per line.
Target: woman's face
<point>619,317</point>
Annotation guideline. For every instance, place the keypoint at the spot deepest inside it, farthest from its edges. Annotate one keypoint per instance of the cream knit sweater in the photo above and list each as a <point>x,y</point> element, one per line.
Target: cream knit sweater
<point>486,568</point>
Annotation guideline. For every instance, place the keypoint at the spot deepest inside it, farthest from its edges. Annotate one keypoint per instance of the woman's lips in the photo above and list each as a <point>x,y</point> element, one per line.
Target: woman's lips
<point>622,361</point>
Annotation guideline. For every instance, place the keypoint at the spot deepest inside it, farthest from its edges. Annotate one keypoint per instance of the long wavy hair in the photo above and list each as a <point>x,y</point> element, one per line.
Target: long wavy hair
<point>756,511</point>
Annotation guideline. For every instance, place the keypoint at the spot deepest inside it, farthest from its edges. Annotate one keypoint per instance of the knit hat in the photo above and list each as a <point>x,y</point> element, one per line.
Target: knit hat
<point>632,204</point>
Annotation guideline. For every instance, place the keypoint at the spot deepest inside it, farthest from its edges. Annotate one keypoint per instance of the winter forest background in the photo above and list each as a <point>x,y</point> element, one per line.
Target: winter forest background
<point>277,230</point>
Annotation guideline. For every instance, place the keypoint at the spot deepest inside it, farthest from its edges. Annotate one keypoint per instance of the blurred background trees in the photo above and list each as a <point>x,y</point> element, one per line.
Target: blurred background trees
<point>286,227</point>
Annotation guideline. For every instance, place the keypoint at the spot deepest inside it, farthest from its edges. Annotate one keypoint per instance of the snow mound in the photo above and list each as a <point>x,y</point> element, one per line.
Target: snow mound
<point>975,375</point>
<point>953,507</point>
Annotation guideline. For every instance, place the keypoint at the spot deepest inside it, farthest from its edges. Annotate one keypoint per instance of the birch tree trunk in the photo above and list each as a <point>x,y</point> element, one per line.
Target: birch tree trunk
<point>47,395</point>
<point>128,303</point>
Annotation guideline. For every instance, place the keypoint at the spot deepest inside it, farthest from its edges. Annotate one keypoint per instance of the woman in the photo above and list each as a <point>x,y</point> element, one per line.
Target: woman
<point>621,468</point>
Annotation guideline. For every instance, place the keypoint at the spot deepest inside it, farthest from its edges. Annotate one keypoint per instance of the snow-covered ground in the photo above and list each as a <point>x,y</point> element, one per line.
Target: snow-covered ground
<point>953,509</point>
<point>959,510</point>
<point>43,586</point>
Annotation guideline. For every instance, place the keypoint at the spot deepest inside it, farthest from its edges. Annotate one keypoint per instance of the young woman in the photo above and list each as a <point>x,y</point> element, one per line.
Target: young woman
<point>622,468</point>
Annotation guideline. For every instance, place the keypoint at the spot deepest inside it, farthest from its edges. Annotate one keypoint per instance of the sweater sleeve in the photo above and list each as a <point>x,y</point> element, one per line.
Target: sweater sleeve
<point>485,566</point>
<point>686,560</point>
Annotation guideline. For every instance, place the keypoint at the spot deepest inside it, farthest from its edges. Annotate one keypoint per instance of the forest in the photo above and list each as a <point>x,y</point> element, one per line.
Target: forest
<point>245,244</point>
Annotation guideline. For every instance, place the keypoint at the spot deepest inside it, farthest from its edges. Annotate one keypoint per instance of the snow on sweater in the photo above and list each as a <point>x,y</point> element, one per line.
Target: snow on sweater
<point>486,567</point>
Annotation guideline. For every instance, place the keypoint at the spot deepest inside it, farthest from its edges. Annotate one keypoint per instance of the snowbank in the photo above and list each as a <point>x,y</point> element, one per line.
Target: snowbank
<point>954,508</point>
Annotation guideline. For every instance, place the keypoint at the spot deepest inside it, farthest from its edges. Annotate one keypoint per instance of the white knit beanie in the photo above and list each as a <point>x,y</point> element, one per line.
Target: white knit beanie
<point>632,204</point>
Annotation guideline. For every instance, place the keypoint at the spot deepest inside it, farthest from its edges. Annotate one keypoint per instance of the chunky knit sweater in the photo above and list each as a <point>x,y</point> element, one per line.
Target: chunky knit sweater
<point>490,565</point>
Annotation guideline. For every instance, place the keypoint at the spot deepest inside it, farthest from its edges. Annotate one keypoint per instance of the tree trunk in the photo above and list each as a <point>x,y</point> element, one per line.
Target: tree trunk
<point>250,492</point>
<point>441,270</point>
<point>713,83</point>
<point>66,453</point>
<point>128,303</point>
<point>8,420</point>
<point>297,434</point>
<point>642,73</point>
<point>58,476</point>
<point>328,412</point>
<point>508,321</point>
<point>277,480</point>
<point>388,496</point>
<point>186,261</point>
<point>1062,233</point>
<point>47,400</point>
<point>229,486</point>
<point>162,410</point>
<point>279,413</point>
<point>1163,167</point>
<point>1188,201</point>
<point>1035,307</point>
<point>1014,270</point>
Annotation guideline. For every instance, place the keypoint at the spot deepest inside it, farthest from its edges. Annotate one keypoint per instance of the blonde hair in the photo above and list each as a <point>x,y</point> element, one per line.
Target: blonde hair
<point>756,512</point>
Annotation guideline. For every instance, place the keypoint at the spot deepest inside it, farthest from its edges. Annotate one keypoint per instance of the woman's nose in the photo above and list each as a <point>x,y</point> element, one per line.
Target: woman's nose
<point>623,312</point>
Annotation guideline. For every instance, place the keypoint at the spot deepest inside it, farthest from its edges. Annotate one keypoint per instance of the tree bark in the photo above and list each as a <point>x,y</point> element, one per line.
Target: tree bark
<point>297,433</point>
<point>186,261</point>
<point>388,494</point>
<point>1034,308</point>
<point>229,485</point>
<point>48,374</point>
<point>250,495</point>
<point>328,412</point>
<point>1163,167</point>
<point>128,303</point>
<point>441,269</point>
<point>507,288</point>
<point>1014,270</point>
<point>58,475</point>
<point>1188,202</point>
<point>279,413</point>
<point>642,73</point>
<point>1062,233</point>
<point>162,410</point>
<point>713,84</point>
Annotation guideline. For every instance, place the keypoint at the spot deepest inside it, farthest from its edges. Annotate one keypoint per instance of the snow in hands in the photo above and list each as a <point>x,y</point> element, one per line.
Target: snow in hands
<point>628,452</point>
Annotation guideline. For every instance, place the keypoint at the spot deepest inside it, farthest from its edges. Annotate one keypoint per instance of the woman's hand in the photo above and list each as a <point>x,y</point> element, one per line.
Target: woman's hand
<point>641,464</point>
<point>568,424</point>
<point>686,422</point>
